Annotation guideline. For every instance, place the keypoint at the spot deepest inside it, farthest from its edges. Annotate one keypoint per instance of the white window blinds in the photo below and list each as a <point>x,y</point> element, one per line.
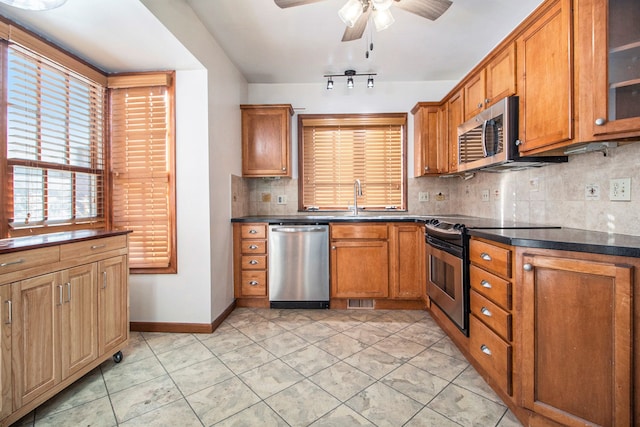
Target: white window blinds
<point>55,153</point>
<point>335,151</point>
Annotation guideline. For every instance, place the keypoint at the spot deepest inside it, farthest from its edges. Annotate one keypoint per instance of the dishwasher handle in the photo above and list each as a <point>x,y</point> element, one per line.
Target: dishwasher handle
<point>299,229</point>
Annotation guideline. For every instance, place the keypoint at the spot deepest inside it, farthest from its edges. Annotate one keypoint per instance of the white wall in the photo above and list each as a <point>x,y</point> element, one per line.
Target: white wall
<point>385,97</point>
<point>208,153</point>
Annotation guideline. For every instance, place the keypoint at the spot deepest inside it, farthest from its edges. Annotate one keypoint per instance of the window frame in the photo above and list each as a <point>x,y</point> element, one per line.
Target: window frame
<point>364,119</point>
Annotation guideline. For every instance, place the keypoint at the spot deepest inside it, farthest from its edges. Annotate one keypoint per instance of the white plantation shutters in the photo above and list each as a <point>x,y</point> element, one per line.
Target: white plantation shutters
<point>55,153</point>
<point>338,149</point>
<point>142,168</point>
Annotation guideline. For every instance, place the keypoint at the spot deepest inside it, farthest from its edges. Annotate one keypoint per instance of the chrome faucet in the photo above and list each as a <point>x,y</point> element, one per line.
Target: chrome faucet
<point>357,191</point>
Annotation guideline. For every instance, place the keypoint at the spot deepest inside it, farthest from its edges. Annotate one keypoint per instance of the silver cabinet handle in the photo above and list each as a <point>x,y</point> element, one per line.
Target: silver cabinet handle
<point>7,264</point>
<point>253,283</point>
<point>487,100</point>
<point>479,104</point>
<point>68,285</point>
<point>253,262</point>
<point>527,267</point>
<point>485,349</point>
<point>104,280</point>
<point>98,246</point>
<point>486,312</point>
<point>10,312</point>
<point>60,300</point>
<point>485,256</point>
<point>253,247</point>
<point>600,121</point>
<point>252,231</point>
<point>486,284</point>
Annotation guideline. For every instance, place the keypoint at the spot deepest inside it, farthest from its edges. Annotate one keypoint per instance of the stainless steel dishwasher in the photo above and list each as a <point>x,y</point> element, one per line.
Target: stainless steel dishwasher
<point>299,266</point>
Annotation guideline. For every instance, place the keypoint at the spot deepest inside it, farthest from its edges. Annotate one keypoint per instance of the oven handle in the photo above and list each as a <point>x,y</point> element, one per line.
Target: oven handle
<point>453,250</point>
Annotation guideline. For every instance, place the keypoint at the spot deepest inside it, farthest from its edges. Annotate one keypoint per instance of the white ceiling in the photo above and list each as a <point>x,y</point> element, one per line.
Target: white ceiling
<point>273,45</point>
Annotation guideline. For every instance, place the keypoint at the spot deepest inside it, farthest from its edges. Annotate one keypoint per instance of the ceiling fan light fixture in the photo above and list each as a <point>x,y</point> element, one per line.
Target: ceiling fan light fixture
<point>350,12</point>
<point>382,4</point>
<point>382,19</point>
<point>34,4</point>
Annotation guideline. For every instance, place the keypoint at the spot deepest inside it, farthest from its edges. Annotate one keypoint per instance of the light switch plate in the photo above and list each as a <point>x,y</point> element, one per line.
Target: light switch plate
<point>620,189</point>
<point>423,196</point>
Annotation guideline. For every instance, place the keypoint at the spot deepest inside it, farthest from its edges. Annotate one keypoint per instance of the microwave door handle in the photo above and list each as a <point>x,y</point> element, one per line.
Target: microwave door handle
<point>484,138</point>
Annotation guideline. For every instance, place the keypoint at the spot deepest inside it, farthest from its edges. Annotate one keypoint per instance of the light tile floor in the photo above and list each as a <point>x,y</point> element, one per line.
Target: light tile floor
<point>266,367</point>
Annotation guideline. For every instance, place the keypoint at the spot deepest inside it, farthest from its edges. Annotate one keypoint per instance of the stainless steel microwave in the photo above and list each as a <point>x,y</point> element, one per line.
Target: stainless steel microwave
<point>489,141</point>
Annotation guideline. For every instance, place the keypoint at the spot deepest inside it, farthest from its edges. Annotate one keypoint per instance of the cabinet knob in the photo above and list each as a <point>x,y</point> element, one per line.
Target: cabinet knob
<point>485,256</point>
<point>253,247</point>
<point>253,283</point>
<point>527,267</point>
<point>253,262</point>
<point>600,121</point>
<point>487,100</point>
<point>333,248</point>
<point>284,169</point>
<point>486,312</point>
<point>485,284</point>
<point>252,231</point>
<point>518,142</point>
<point>426,168</point>
<point>485,349</point>
<point>480,105</point>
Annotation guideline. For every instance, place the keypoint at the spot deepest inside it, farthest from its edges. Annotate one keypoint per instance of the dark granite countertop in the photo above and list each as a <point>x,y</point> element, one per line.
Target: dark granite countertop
<point>52,239</point>
<point>567,239</point>
<point>507,232</point>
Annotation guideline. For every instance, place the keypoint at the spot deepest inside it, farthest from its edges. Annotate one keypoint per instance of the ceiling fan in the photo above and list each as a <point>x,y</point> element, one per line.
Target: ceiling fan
<point>356,13</point>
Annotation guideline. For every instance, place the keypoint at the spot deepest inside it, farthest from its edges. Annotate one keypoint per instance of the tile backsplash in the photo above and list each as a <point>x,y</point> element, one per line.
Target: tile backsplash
<point>553,194</point>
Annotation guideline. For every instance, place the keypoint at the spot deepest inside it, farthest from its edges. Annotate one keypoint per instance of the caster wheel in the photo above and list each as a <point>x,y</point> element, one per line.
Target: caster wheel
<point>117,357</point>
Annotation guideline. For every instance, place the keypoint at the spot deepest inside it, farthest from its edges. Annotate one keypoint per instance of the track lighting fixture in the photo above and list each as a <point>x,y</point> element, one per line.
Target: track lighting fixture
<point>349,74</point>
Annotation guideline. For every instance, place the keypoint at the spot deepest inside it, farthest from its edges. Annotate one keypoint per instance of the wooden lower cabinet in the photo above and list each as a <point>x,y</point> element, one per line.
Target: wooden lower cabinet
<point>359,269</point>
<point>56,326</point>
<point>577,337</point>
<point>250,264</point>
<point>406,261</point>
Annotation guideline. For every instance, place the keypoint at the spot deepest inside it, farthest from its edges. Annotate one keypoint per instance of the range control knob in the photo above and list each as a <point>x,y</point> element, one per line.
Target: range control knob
<point>458,227</point>
<point>433,221</point>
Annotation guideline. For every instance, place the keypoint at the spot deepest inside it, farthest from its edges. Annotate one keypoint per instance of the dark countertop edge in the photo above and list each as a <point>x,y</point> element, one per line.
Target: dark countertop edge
<point>565,239</point>
<point>304,220</point>
<point>16,244</point>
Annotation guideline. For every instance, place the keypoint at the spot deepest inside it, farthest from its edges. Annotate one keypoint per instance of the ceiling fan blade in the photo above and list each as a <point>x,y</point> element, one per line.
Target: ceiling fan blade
<point>355,32</point>
<point>430,9</point>
<point>283,4</point>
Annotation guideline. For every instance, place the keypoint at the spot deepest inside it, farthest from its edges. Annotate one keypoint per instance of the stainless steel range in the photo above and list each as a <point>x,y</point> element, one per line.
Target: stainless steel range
<point>447,241</point>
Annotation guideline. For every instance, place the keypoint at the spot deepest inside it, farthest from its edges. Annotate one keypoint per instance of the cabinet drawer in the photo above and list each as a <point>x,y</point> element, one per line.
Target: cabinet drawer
<point>90,247</point>
<point>490,257</point>
<point>254,246</point>
<point>254,283</point>
<point>491,315</point>
<point>22,260</point>
<point>491,286</point>
<point>254,231</point>
<point>254,262</point>
<point>359,231</point>
<point>491,352</point>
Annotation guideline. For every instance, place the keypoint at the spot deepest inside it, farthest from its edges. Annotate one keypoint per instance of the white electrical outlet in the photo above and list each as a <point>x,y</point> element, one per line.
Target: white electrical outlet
<point>281,200</point>
<point>620,189</point>
<point>592,192</point>
<point>485,195</point>
<point>423,196</point>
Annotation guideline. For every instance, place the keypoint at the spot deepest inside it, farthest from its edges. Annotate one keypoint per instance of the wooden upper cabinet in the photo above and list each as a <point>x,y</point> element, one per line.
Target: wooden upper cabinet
<point>455,117</point>
<point>266,140</point>
<point>430,139</point>
<point>608,48</point>
<point>545,80</point>
<point>491,83</point>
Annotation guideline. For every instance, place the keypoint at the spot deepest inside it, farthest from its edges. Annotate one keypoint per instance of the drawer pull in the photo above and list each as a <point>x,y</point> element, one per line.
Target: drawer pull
<point>527,267</point>
<point>485,256</point>
<point>60,299</point>
<point>68,285</point>
<point>252,231</point>
<point>486,312</point>
<point>104,280</point>
<point>253,262</point>
<point>253,247</point>
<point>10,312</point>
<point>486,350</point>
<point>254,283</point>
<point>486,284</point>
<point>7,264</point>
<point>94,247</point>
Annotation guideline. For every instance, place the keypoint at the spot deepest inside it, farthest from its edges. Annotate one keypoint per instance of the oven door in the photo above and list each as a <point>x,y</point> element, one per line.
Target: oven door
<point>445,285</point>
